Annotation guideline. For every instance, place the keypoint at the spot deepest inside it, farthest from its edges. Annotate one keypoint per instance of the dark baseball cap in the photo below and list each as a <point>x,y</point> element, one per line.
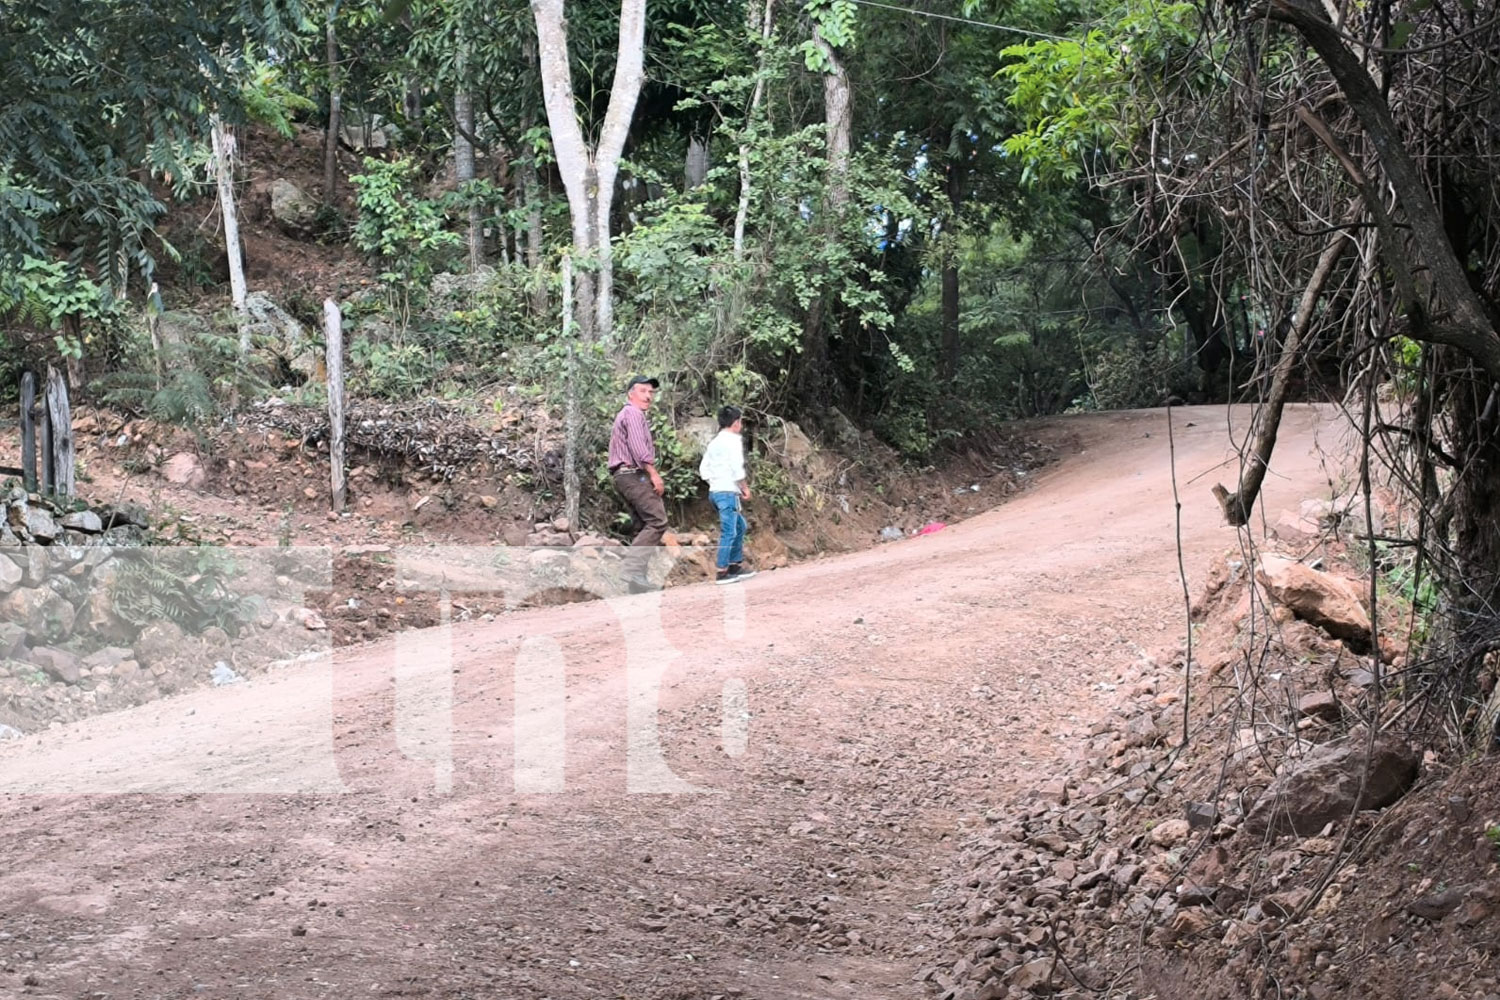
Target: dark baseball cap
<point>636,380</point>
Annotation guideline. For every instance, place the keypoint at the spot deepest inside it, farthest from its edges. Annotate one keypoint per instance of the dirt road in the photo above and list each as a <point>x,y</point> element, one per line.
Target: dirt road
<point>718,791</point>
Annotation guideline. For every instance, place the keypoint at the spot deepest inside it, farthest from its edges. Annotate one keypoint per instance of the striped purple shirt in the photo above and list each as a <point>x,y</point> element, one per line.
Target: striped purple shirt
<point>630,442</point>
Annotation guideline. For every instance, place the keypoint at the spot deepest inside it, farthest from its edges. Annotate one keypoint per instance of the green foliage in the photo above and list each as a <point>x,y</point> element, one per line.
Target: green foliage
<point>402,231</point>
<point>1076,96</point>
<point>268,99</point>
<point>97,90</point>
<point>833,22</point>
<point>188,587</point>
<point>392,370</point>
<point>200,375</point>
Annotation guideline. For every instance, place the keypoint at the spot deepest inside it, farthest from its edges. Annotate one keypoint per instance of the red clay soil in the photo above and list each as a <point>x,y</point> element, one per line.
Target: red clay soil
<point>293,838</point>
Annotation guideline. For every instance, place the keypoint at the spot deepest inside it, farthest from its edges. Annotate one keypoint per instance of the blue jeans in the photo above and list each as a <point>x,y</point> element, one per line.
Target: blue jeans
<point>731,528</point>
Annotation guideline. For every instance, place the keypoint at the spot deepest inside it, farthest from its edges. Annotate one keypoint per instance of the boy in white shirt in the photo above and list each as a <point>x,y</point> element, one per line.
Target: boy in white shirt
<point>723,466</point>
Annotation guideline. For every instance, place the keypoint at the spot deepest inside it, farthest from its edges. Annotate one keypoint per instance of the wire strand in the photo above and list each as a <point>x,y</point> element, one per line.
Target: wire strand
<point>964,20</point>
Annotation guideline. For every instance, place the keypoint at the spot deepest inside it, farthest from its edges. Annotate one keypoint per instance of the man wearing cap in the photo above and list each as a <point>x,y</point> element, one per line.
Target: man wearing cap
<point>632,463</point>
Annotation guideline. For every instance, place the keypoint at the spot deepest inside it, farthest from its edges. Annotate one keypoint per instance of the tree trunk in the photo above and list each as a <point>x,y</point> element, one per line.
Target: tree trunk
<point>463,171</point>
<point>570,401</point>
<point>951,350</point>
<point>838,112</point>
<point>223,152</point>
<point>589,175</point>
<point>764,30</point>
<point>531,195</point>
<point>1237,505</point>
<point>335,115</point>
<point>695,169</point>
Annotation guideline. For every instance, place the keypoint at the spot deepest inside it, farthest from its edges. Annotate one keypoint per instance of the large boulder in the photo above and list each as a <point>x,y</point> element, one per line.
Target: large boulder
<point>1317,598</point>
<point>696,433</point>
<point>59,664</point>
<point>271,322</point>
<point>764,550</point>
<point>10,575</point>
<point>292,208</point>
<point>1324,787</point>
<point>184,469</point>
<point>44,615</point>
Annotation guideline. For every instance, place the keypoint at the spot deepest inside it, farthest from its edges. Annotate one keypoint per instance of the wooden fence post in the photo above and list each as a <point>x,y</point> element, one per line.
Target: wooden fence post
<point>28,431</point>
<point>333,330</point>
<point>60,434</point>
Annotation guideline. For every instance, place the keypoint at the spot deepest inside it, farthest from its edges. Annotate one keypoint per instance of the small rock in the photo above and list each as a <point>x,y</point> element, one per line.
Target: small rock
<point>1320,705</point>
<point>10,575</point>
<point>299,931</point>
<point>308,619</point>
<point>1437,905</point>
<point>84,520</point>
<point>223,674</point>
<point>1055,791</point>
<point>1284,904</point>
<point>1201,815</point>
<point>60,664</point>
<point>1170,833</point>
<point>489,502</point>
<point>1035,976</point>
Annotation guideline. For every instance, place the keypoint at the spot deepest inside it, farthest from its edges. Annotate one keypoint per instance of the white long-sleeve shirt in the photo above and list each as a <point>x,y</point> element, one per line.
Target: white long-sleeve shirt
<point>723,463</point>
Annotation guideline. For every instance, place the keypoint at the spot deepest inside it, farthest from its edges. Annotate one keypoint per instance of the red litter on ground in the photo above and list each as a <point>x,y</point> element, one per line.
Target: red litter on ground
<point>931,528</point>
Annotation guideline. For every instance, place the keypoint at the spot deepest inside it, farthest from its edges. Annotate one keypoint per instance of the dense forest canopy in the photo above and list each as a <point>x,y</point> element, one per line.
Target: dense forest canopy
<point>928,216</point>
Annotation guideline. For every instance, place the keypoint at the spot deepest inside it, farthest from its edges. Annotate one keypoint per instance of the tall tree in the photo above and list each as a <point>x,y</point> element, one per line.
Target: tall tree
<point>589,170</point>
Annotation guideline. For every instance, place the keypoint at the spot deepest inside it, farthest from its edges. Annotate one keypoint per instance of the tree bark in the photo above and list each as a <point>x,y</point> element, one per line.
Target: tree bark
<point>838,112</point>
<point>570,401</point>
<point>695,166</point>
<point>589,174</point>
<point>463,170</point>
<point>223,153</point>
<point>532,196</point>
<point>335,113</point>
<point>28,431</point>
<point>763,28</point>
<point>950,304</point>
<point>839,116</point>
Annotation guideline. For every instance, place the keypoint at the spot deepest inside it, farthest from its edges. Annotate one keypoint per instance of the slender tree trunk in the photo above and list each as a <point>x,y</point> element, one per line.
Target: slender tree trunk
<point>223,152</point>
<point>463,170</point>
<point>1237,505</point>
<point>1468,329</point>
<point>695,167</point>
<point>838,113</point>
<point>570,405</point>
<point>742,214</point>
<point>950,310</point>
<point>335,114</point>
<point>531,195</point>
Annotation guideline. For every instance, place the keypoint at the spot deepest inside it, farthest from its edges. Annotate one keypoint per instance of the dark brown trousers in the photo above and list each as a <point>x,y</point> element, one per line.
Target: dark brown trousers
<point>648,512</point>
